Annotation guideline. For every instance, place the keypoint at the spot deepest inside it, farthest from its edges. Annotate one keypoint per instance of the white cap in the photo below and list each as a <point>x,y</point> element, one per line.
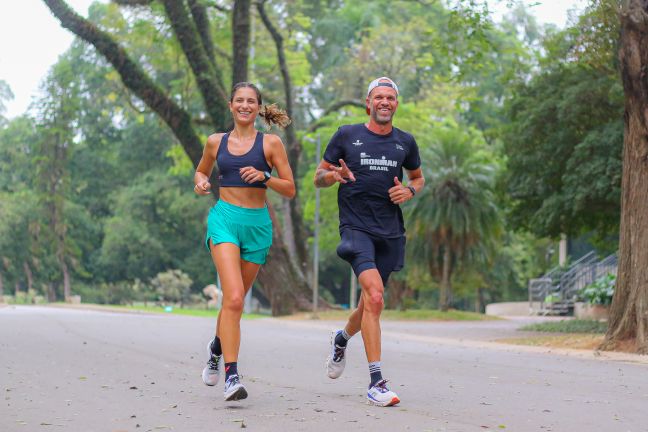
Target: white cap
<point>382,82</point>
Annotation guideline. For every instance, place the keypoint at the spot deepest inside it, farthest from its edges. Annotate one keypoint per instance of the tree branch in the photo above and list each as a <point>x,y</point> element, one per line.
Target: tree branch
<point>221,52</point>
<point>208,79</point>
<point>132,76</point>
<point>200,18</point>
<point>334,107</point>
<point>294,147</point>
<point>133,2</point>
<point>216,6</point>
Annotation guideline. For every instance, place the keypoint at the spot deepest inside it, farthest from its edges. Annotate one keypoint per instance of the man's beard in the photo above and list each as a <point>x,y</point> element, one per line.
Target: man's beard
<point>381,121</point>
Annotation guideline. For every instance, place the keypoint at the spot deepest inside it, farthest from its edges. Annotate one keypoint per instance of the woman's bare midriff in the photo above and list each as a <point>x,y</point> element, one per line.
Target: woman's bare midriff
<point>244,196</point>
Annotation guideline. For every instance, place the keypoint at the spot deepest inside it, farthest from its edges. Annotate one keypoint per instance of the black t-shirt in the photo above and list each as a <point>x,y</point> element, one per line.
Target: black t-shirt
<point>374,160</point>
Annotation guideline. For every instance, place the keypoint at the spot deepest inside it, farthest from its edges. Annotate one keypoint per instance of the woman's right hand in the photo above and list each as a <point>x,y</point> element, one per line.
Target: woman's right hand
<point>203,188</point>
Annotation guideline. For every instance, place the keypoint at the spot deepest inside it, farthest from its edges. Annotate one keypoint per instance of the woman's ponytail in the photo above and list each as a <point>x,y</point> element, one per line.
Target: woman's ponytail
<point>272,114</point>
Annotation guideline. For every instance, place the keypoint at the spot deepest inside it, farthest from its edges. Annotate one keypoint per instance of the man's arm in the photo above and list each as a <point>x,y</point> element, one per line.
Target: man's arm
<point>415,179</point>
<point>400,194</point>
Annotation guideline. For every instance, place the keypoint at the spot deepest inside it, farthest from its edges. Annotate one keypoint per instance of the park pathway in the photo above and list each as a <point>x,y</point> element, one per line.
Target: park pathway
<point>81,370</point>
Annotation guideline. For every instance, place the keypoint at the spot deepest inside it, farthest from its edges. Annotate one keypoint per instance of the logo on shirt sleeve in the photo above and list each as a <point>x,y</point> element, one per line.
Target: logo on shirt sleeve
<point>357,143</point>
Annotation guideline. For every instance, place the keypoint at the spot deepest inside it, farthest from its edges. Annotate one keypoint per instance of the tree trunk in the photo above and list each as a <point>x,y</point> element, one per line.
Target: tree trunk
<point>444,297</point>
<point>16,288</point>
<point>279,279</point>
<point>395,294</point>
<point>1,288</point>
<point>29,276</point>
<point>51,292</point>
<point>479,300</point>
<point>240,40</point>
<point>628,321</point>
<point>67,290</point>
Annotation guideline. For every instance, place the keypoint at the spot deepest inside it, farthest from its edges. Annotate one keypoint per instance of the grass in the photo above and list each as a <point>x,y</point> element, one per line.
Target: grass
<point>569,326</point>
<point>408,315</point>
<point>573,333</point>
<point>586,341</point>
<point>211,313</point>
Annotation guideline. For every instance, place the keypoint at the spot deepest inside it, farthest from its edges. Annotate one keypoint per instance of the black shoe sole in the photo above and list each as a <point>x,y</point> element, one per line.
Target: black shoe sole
<point>238,395</point>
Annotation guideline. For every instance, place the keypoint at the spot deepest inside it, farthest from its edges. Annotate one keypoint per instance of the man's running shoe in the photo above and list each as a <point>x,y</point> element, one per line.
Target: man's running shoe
<point>234,390</point>
<point>336,361</point>
<point>211,373</point>
<point>378,394</point>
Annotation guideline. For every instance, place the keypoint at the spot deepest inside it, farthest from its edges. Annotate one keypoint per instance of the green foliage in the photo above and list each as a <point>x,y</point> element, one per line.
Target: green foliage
<point>457,208</point>
<point>552,298</point>
<point>565,136</point>
<point>171,285</point>
<point>26,298</point>
<point>568,326</point>
<point>599,292</point>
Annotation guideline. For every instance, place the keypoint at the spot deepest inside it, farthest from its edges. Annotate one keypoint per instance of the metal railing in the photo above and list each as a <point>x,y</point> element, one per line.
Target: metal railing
<point>563,284</point>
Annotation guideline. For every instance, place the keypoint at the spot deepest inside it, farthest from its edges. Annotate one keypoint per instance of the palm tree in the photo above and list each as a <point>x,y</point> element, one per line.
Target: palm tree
<point>455,218</point>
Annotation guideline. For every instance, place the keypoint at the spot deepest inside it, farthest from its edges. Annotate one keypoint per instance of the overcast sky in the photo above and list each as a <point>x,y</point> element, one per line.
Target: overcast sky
<point>31,40</point>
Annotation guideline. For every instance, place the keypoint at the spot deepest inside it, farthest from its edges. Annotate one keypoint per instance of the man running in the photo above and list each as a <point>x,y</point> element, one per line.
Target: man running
<point>368,160</point>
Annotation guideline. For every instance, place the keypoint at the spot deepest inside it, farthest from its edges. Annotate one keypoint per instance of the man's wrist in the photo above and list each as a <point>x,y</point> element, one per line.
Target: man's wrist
<point>412,189</point>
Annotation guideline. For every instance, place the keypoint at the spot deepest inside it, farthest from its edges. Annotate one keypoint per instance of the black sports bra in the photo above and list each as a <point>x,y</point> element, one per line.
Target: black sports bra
<point>229,164</point>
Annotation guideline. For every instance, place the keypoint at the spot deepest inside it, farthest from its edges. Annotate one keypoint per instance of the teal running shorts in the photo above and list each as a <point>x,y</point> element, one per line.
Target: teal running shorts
<point>248,228</point>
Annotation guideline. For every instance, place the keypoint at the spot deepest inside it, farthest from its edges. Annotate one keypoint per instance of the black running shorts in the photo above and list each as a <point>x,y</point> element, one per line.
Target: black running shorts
<point>365,251</point>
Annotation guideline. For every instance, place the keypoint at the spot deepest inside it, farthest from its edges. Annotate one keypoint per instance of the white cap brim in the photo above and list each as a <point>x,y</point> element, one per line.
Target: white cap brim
<point>382,82</point>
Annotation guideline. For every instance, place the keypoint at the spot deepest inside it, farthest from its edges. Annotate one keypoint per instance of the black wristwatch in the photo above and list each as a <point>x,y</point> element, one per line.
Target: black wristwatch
<point>266,177</point>
<point>412,189</point>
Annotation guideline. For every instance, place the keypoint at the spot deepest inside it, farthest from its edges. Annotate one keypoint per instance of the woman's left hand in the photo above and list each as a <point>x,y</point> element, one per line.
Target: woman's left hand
<point>250,174</point>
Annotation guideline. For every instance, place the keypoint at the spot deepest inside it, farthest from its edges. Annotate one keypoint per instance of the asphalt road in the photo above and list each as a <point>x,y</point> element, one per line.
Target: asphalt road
<point>77,370</point>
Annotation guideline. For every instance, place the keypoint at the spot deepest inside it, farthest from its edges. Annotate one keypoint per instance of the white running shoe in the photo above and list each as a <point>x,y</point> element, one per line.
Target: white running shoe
<point>234,390</point>
<point>379,395</point>
<point>211,373</point>
<point>336,360</point>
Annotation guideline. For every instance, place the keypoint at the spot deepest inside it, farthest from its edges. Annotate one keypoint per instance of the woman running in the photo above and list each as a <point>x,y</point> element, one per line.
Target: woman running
<point>239,229</point>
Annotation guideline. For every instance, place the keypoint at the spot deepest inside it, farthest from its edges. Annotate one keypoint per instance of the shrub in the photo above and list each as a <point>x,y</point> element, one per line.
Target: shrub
<point>172,285</point>
<point>599,292</point>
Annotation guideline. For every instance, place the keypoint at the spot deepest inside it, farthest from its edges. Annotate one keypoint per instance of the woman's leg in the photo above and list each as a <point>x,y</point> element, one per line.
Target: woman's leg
<point>227,259</point>
<point>249,273</point>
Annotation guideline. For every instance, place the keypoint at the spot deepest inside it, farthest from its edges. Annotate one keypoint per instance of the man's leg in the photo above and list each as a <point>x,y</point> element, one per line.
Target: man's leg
<point>355,319</point>
<point>372,306</point>
<point>372,298</point>
<point>356,248</point>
